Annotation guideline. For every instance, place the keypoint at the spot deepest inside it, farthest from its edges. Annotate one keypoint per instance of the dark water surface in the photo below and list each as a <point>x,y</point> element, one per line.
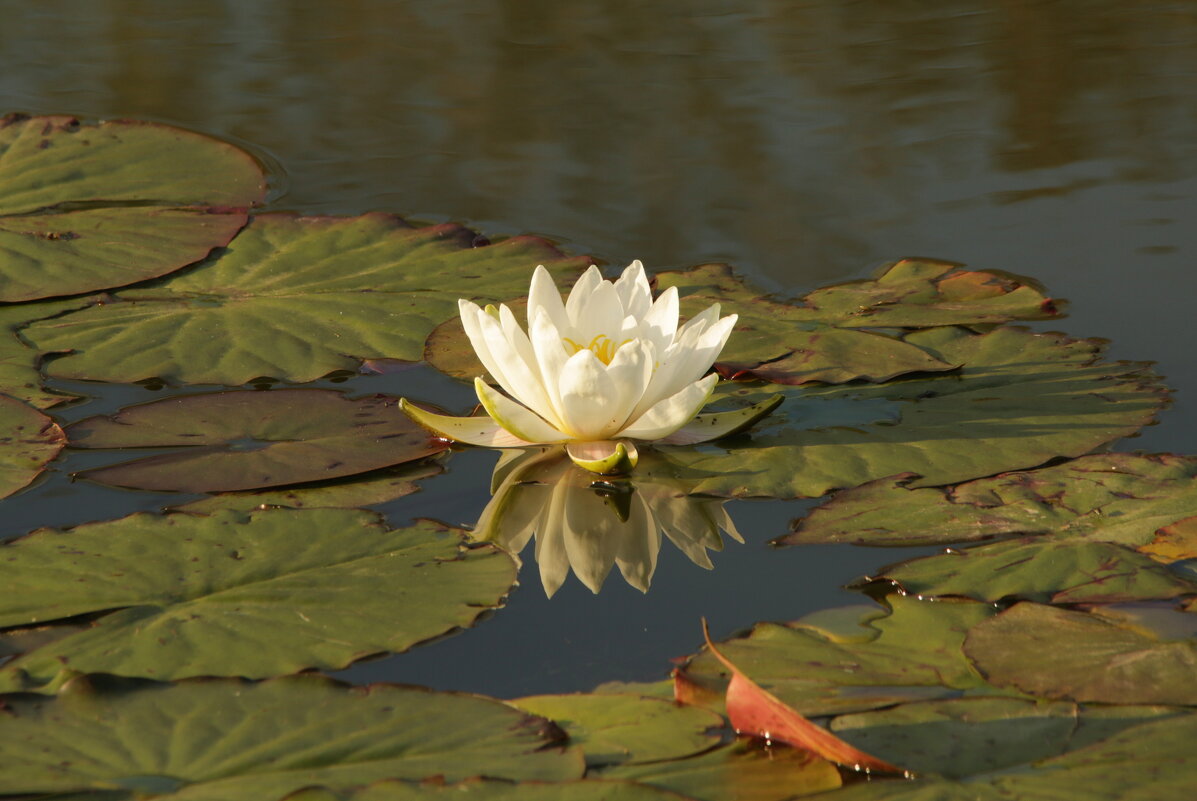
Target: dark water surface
<point>803,143</point>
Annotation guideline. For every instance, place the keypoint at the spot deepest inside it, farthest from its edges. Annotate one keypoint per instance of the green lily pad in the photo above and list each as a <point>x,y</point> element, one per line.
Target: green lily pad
<point>28,442</point>
<point>295,298</point>
<point>20,374</point>
<point>627,729</point>
<point>822,668</point>
<point>1051,570</point>
<point>1115,497</point>
<point>1153,760</point>
<point>230,740</point>
<point>1059,653</point>
<point>967,736</point>
<point>496,790</point>
<point>368,489</point>
<point>249,439</point>
<point>256,595</point>
<point>1020,400</point>
<point>740,771</point>
<point>87,207</point>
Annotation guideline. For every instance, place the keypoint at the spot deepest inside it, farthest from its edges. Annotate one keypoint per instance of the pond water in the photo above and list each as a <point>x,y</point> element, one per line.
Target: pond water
<point>802,144</point>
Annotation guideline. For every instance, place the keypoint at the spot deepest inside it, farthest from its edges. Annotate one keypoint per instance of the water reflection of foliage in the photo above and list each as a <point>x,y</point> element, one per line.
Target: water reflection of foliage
<point>593,525</point>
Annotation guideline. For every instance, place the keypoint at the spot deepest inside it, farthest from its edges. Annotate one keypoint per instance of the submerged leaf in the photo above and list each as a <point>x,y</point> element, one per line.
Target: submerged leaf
<point>250,439</point>
<point>254,595</point>
<point>87,207</point>
<point>294,298</point>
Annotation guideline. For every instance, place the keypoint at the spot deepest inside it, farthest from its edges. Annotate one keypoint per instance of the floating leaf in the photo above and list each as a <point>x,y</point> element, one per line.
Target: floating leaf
<point>249,439</point>
<point>1116,497</point>
<point>740,771</point>
<point>1039,569</point>
<point>240,595</point>
<point>28,442</point>
<point>294,298</point>
<point>821,668</point>
<point>368,489</point>
<point>967,736</point>
<point>20,375</point>
<point>627,729</point>
<point>87,207</point>
<point>1059,653</point>
<point>757,712</point>
<point>231,740</point>
<point>1020,400</point>
<point>1153,760</point>
<point>495,790</point>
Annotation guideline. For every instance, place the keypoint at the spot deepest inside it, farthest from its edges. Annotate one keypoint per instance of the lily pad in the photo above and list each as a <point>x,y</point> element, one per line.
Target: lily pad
<point>1117,497</point>
<point>1051,570</point>
<point>1060,653</point>
<point>231,740</point>
<point>627,729</point>
<point>495,790</point>
<point>1153,760</point>
<point>87,207</point>
<point>1020,400</point>
<point>741,771</point>
<point>295,298</point>
<point>20,375</point>
<point>256,595</point>
<point>249,439</point>
<point>912,653</point>
<point>28,442</point>
<point>368,489</point>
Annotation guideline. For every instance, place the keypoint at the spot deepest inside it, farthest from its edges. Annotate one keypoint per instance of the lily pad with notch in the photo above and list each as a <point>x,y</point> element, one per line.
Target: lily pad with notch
<point>20,373</point>
<point>86,207</point>
<point>1020,400</point>
<point>249,439</point>
<point>234,740</point>
<point>29,440</point>
<point>295,298</point>
<point>230,594</point>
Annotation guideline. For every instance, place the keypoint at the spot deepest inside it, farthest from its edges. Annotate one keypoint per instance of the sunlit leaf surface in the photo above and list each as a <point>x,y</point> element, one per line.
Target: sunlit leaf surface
<point>250,439</point>
<point>627,729</point>
<point>229,740</point>
<point>86,207</point>
<point>234,595</point>
<point>1114,497</point>
<point>28,442</point>
<point>295,298</point>
<point>1019,400</point>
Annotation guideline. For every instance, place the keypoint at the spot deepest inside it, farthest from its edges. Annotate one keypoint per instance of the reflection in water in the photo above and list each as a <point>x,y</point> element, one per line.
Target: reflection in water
<point>591,525</point>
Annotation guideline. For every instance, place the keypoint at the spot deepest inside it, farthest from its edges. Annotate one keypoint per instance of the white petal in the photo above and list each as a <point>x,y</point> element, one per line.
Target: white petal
<point>471,321</point>
<point>550,358</point>
<point>631,372</point>
<point>471,430</point>
<point>589,399</point>
<point>706,427</point>
<point>683,364</point>
<point>634,291</point>
<point>580,294</point>
<point>669,415</point>
<point>660,324</point>
<point>524,369</point>
<point>600,315</point>
<point>543,295</point>
<point>517,419</point>
<point>513,367</point>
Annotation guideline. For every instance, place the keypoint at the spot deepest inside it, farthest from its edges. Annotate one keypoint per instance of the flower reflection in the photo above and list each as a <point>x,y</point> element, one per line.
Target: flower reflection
<point>590,524</point>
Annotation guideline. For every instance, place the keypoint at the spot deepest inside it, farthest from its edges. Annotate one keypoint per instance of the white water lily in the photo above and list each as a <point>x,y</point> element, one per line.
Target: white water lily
<point>605,368</point>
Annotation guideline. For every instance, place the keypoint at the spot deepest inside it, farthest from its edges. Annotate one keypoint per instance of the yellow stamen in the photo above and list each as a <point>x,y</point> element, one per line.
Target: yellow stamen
<point>602,346</point>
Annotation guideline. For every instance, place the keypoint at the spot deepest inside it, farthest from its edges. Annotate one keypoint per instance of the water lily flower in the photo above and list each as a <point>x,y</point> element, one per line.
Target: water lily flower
<point>598,372</point>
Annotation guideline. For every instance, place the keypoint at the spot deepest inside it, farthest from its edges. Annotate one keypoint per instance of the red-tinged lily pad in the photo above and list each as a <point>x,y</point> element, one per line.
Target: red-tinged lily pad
<point>757,712</point>
<point>849,660</point>
<point>28,442</point>
<point>1144,501</point>
<point>1065,654</point>
<point>231,594</point>
<point>295,298</point>
<point>1020,400</point>
<point>229,740</point>
<point>1052,570</point>
<point>249,439</point>
<point>87,207</point>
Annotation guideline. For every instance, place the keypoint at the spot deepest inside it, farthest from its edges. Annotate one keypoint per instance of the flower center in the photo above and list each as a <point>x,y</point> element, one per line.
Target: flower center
<point>601,346</point>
